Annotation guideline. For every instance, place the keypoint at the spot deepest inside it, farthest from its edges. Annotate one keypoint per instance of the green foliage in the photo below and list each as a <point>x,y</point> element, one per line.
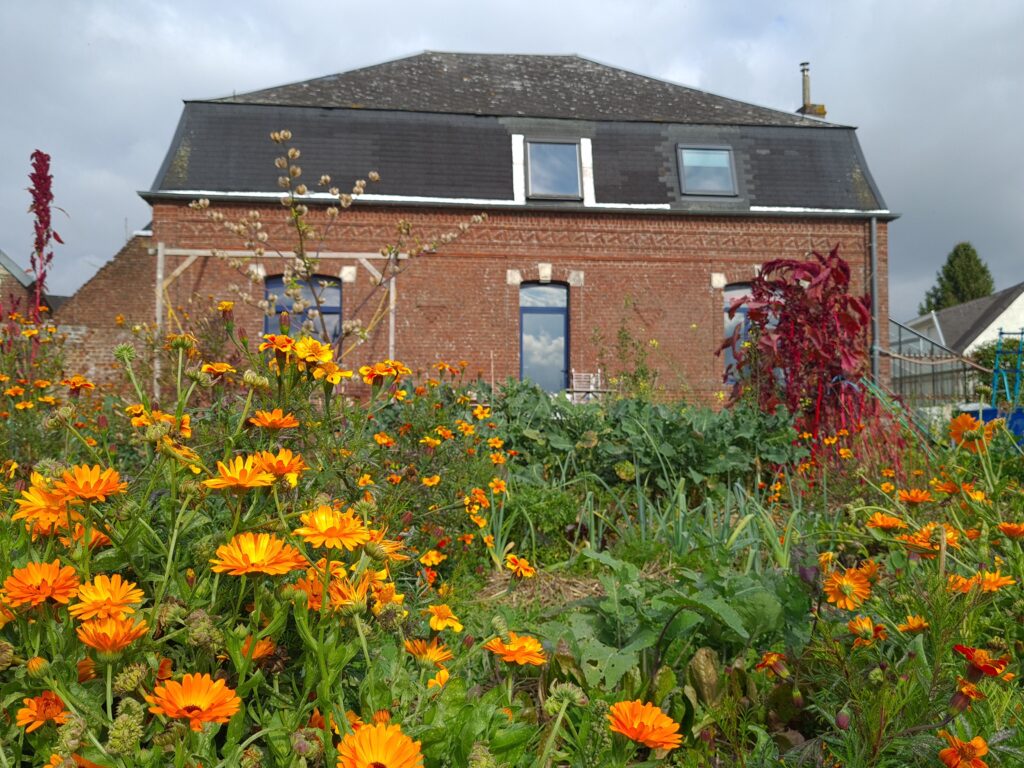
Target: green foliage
<point>962,278</point>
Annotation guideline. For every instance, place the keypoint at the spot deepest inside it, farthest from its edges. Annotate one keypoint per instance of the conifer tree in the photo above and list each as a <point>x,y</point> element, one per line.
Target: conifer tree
<point>962,278</point>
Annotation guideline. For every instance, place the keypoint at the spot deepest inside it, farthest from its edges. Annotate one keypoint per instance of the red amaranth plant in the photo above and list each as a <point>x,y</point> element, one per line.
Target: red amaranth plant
<point>808,342</point>
<point>42,206</point>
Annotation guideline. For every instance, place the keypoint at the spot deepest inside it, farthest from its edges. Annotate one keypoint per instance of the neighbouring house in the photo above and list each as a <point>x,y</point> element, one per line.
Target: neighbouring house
<point>15,285</point>
<point>967,326</point>
<point>614,201</point>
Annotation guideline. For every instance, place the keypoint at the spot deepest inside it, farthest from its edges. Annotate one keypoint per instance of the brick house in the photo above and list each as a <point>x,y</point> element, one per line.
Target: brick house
<point>614,201</point>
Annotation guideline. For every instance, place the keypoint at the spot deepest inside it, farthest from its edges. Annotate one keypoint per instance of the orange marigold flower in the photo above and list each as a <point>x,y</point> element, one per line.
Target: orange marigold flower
<point>275,419</point>
<point>440,679</point>
<point>38,582</point>
<point>1012,530</point>
<point>106,597</point>
<point>432,557</point>
<point>40,710</point>
<point>966,692</point>
<point>847,590</point>
<point>914,496</point>
<point>520,649</point>
<point>520,566</point>
<point>197,698</point>
<point>913,625</point>
<point>326,526</point>
<point>239,475</point>
<point>866,630</point>
<point>645,724</point>
<point>77,384</point>
<point>90,483</point>
<point>980,662</point>
<point>331,373</point>
<point>310,350</point>
<point>216,370</point>
<point>431,480</point>
<point>884,522</point>
<point>963,754</point>
<point>111,636</point>
<point>959,584</point>
<point>280,343</point>
<point>441,617</point>
<point>887,487</point>
<point>497,485</point>
<point>434,652</point>
<point>257,553</point>
<point>284,464</point>
<point>379,746</point>
<point>773,663</point>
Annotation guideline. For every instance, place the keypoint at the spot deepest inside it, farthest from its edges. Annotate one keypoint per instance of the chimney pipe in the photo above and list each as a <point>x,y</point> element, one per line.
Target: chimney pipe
<point>805,71</point>
<point>814,110</point>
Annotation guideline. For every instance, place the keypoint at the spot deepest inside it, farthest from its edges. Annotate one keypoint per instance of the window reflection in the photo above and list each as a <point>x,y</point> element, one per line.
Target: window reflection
<point>544,327</point>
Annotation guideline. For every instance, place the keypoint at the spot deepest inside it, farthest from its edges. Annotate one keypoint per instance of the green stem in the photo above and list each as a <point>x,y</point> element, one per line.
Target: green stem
<point>362,640</point>
<point>554,734</point>
<point>110,691</point>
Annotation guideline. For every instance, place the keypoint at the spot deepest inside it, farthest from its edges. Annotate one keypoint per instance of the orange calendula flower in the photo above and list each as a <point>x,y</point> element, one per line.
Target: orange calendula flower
<point>379,746</point>
<point>111,636</point>
<point>913,625</point>
<point>520,649</point>
<point>993,581</point>
<point>847,590</point>
<point>257,553</point>
<point>884,522</point>
<point>275,419</point>
<point>967,432</point>
<point>434,652</point>
<point>441,617</point>
<point>914,496</point>
<point>239,475</point>
<point>1012,530</point>
<point>48,707</point>
<point>90,483</point>
<point>326,526</point>
<point>645,724</point>
<point>197,698</point>
<point>38,582</point>
<point>106,597</point>
<point>920,541</point>
<point>981,663</point>
<point>520,566</point>
<point>43,507</point>
<point>283,464</point>
<point>963,754</point>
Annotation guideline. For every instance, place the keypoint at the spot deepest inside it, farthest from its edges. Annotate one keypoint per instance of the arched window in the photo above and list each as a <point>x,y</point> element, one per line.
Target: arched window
<point>732,292</point>
<point>328,296</point>
<point>544,335</point>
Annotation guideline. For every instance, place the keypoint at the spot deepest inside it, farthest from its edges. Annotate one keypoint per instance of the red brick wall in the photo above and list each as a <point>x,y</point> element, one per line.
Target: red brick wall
<point>651,271</point>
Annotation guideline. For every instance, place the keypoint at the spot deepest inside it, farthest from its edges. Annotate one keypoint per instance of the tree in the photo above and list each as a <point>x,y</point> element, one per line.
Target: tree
<point>963,277</point>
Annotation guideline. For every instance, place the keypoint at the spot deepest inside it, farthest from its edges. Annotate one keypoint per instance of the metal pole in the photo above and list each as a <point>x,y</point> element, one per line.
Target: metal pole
<point>159,324</point>
<point>874,300</point>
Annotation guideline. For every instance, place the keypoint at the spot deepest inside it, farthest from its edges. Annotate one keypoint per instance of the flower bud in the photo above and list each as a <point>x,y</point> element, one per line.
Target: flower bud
<point>843,720</point>
<point>6,655</point>
<point>37,667</point>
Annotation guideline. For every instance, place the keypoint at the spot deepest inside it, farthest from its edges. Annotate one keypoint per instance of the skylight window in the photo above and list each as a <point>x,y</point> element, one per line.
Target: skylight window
<point>554,169</point>
<point>706,171</point>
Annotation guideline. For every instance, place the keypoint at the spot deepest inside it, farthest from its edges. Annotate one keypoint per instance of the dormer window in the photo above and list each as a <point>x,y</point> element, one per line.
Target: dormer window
<point>553,170</point>
<point>707,171</point>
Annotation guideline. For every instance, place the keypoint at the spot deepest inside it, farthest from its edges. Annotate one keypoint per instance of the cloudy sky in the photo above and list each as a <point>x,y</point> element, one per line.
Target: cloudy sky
<point>935,88</point>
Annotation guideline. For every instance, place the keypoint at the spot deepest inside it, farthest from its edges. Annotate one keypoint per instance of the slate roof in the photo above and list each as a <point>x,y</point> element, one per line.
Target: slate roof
<point>781,160</point>
<point>19,273</point>
<point>566,87</point>
<point>963,323</point>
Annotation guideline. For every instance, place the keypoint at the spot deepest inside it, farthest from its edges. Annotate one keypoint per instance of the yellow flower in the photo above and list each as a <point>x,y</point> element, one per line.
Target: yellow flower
<point>438,680</point>
<point>441,617</point>
<point>431,480</point>
<point>239,475</point>
<point>329,527</point>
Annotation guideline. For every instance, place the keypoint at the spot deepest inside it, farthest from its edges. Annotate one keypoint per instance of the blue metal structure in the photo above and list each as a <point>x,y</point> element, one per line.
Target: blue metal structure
<point>1006,369</point>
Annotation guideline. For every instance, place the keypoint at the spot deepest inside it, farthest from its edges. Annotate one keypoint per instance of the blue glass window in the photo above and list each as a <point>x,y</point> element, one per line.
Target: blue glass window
<point>328,293</point>
<point>706,171</point>
<point>554,169</point>
<point>544,335</point>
